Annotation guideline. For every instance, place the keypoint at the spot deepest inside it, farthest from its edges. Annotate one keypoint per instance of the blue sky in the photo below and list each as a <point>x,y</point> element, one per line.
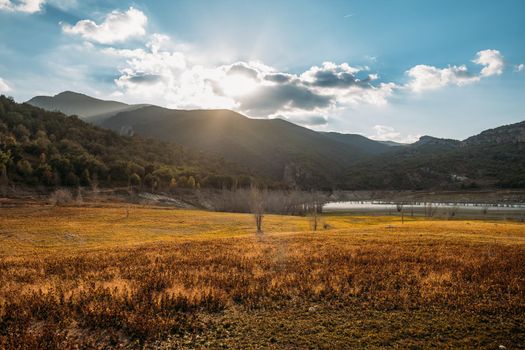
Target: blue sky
<point>385,69</point>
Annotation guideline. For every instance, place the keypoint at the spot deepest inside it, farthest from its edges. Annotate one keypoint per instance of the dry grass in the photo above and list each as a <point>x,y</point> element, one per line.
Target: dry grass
<point>92,278</point>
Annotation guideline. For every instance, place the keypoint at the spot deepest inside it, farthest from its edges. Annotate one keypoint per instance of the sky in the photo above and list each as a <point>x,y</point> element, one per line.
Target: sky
<point>389,70</point>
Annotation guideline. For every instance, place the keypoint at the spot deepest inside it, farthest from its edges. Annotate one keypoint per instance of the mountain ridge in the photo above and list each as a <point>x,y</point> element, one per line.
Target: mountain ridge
<point>82,105</point>
<point>273,147</point>
<point>301,157</point>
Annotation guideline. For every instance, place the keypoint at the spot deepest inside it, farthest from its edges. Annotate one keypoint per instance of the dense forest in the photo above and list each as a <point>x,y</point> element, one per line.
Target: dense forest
<point>478,162</point>
<point>48,149</point>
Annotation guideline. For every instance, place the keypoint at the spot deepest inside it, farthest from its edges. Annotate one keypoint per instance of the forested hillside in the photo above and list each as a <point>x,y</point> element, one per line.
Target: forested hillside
<point>48,149</point>
<point>493,159</point>
<point>278,149</point>
<point>221,148</point>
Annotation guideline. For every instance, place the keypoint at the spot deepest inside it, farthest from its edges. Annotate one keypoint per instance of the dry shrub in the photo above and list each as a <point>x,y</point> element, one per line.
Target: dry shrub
<point>273,201</point>
<point>61,197</point>
<point>138,295</point>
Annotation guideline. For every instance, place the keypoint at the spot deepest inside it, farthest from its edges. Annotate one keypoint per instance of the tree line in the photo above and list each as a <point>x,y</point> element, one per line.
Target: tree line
<point>46,149</point>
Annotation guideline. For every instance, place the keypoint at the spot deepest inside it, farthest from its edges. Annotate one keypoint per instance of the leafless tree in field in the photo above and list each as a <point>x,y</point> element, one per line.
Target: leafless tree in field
<point>399,208</point>
<point>257,207</point>
<point>430,210</point>
<point>452,211</point>
<point>61,197</point>
<point>314,207</point>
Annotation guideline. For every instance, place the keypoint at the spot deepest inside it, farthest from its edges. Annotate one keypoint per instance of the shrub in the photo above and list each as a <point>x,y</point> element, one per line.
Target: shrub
<point>61,197</point>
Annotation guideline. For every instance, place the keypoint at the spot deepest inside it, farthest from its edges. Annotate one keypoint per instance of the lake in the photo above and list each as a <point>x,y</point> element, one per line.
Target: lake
<point>448,210</point>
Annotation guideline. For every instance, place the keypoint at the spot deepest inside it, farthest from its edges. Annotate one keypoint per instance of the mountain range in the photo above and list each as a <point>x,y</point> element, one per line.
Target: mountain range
<point>301,157</point>
<point>86,107</point>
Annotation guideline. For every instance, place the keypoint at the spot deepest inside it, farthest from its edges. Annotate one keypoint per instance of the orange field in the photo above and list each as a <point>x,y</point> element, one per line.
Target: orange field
<point>159,278</point>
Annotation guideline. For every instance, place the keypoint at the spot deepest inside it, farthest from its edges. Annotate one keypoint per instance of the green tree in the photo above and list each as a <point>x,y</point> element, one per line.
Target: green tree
<point>191,182</point>
<point>165,174</point>
<point>24,168</point>
<point>4,180</point>
<point>45,174</point>
<point>85,178</point>
<point>2,109</point>
<point>5,157</point>
<point>151,181</point>
<point>134,180</point>
<point>21,132</point>
<point>71,179</point>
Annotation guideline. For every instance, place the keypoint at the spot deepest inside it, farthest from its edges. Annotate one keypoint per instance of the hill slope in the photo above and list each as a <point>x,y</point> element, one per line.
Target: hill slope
<point>494,158</point>
<point>274,148</point>
<point>41,148</point>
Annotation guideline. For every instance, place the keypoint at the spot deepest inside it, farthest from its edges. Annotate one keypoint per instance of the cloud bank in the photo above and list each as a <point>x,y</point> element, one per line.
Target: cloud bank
<point>423,77</point>
<point>155,71</point>
<point>162,72</point>
<point>116,27</point>
<point>27,6</point>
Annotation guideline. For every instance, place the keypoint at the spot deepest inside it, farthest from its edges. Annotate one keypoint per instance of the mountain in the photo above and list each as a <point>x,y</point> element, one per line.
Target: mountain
<point>296,156</point>
<point>86,107</point>
<point>270,147</point>
<point>493,158</point>
<point>273,148</point>
<point>47,149</point>
<point>513,133</point>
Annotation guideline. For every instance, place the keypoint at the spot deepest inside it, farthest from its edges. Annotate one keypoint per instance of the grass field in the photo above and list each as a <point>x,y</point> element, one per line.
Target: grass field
<point>158,278</point>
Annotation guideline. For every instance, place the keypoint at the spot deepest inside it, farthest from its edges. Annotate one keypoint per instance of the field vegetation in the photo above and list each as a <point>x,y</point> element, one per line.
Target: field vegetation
<point>115,277</point>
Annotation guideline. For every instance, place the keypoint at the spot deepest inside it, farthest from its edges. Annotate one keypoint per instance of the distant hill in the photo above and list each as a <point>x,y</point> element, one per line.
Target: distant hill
<point>86,107</point>
<point>493,158</point>
<point>513,133</point>
<point>270,147</point>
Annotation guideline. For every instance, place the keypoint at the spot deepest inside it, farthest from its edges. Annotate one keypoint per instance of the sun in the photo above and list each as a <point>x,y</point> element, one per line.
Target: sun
<point>238,85</point>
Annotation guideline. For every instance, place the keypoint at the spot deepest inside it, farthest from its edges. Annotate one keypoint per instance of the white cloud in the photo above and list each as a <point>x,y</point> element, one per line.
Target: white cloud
<point>165,73</point>
<point>158,74</point>
<point>425,77</point>
<point>4,87</point>
<point>492,60</point>
<point>116,27</point>
<point>388,133</point>
<point>519,67</point>
<point>27,6</point>
<point>331,75</point>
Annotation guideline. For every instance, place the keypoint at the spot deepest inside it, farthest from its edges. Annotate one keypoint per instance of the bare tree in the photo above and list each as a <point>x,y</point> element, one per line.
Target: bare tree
<point>430,209</point>
<point>61,197</point>
<point>452,212</point>
<point>314,206</point>
<point>257,207</point>
<point>399,208</point>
